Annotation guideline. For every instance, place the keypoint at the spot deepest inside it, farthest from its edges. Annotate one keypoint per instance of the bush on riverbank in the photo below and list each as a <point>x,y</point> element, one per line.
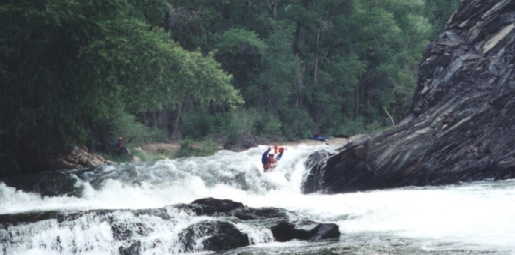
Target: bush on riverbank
<point>190,148</point>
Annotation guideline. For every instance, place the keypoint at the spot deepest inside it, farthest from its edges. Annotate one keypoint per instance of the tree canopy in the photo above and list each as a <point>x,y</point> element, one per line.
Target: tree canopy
<point>83,72</point>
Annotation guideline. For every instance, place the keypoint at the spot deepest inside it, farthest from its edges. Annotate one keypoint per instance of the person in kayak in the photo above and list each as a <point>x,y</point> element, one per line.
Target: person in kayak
<point>269,160</point>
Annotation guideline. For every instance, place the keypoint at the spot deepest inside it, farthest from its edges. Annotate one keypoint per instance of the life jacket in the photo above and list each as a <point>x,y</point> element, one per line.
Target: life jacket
<point>270,163</point>
<point>264,157</point>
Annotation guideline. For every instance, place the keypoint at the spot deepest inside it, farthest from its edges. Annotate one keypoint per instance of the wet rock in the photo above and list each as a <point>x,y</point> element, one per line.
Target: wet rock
<point>51,183</point>
<point>7,220</point>
<point>462,119</point>
<point>79,157</point>
<point>123,231</point>
<point>211,206</point>
<point>213,235</point>
<point>324,231</point>
<point>120,229</point>
<point>286,231</point>
<point>259,213</point>
<point>130,229</point>
<point>229,208</point>
<point>132,249</point>
<point>313,181</point>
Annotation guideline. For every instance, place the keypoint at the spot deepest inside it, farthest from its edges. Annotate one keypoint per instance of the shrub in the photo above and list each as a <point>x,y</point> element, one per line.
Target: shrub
<point>135,132</point>
<point>297,123</point>
<point>191,148</point>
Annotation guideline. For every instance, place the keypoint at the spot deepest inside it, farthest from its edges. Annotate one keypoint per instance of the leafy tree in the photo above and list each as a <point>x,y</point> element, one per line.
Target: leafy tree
<point>72,68</point>
<point>80,72</point>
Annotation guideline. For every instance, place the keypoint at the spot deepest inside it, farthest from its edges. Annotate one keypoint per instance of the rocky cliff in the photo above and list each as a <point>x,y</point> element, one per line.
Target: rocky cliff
<point>462,122</point>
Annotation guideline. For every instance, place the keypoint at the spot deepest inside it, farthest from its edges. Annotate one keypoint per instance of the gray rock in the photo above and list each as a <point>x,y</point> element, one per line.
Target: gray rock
<point>132,249</point>
<point>214,236</point>
<point>211,206</point>
<point>286,231</point>
<point>50,183</point>
<point>462,120</point>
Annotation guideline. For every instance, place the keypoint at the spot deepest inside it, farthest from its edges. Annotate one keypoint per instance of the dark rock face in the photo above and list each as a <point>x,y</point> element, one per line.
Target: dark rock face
<point>51,183</point>
<point>78,157</point>
<point>286,231</point>
<point>313,180</point>
<point>134,230</point>
<point>211,206</point>
<point>215,236</point>
<point>463,115</point>
<point>227,208</point>
<point>132,249</point>
<point>324,231</point>
<point>259,213</point>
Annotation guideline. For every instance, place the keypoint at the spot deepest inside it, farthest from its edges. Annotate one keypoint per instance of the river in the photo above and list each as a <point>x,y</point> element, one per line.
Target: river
<point>472,218</point>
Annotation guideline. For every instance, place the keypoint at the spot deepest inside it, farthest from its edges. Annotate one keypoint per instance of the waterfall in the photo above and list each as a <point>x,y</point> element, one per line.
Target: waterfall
<point>130,207</point>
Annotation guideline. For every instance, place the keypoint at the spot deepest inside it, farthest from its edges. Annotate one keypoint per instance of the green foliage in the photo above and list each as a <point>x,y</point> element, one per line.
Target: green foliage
<point>146,156</point>
<point>308,66</point>
<point>238,39</point>
<point>356,127</point>
<point>78,72</point>
<point>439,12</point>
<point>241,123</point>
<point>297,123</point>
<point>191,148</point>
<point>198,125</point>
<point>240,51</point>
<point>125,125</point>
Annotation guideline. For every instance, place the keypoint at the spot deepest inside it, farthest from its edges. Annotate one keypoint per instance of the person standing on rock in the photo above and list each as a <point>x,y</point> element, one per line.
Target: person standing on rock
<point>120,146</point>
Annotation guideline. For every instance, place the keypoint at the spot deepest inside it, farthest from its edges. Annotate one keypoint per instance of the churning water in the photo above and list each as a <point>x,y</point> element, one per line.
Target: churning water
<point>467,217</point>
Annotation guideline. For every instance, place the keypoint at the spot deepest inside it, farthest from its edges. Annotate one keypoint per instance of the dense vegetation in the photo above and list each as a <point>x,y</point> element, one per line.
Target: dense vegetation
<point>86,71</point>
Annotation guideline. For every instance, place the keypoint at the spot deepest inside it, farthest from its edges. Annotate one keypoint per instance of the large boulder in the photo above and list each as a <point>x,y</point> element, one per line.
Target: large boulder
<point>228,208</point>
<point>211,206</point>
<point>213,235</point>
<point>259,213</point>
<point>286,231</point>
<point>131,249</point>
<point>462,120</point>
<point>49,183</point>
<point>78,157</point>
<point>314,179</point>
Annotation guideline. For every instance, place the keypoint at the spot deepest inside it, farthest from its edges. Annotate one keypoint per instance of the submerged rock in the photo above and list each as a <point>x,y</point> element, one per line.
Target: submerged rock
<point>462,120</point>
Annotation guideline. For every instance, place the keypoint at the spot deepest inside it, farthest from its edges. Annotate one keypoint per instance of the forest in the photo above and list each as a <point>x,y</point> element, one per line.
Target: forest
<point>83,72</point>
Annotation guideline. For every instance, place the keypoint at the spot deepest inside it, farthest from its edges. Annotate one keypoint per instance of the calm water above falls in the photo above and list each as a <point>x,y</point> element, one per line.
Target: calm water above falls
<point>457,219</point>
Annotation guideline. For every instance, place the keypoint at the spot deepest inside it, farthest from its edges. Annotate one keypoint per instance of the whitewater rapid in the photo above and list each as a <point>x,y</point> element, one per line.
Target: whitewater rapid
<point>470,216</point>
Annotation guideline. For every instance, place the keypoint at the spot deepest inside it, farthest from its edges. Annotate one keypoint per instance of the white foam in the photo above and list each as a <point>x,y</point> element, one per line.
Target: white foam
<point>472,214</point>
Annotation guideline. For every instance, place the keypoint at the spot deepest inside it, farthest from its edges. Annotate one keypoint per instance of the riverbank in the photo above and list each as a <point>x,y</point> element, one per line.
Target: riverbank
<point>175,149</point>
